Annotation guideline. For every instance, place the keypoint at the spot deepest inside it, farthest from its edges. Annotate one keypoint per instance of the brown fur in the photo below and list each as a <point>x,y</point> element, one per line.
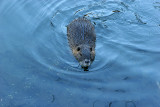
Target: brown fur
<point>82,38</point>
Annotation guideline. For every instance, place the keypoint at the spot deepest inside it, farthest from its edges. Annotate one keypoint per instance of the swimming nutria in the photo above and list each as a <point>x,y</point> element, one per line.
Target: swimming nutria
<point>82,38</point>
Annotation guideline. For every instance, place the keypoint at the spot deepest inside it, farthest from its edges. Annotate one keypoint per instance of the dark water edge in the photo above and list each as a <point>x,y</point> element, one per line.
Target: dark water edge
<point>38,69</point>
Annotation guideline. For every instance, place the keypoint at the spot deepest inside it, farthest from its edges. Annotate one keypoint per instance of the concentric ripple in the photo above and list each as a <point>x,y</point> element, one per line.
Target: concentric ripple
<point>37,67</point>
<point>109,17</point>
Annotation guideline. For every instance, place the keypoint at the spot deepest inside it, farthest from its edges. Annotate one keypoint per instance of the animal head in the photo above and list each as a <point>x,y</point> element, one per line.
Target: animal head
<point>84,54</point>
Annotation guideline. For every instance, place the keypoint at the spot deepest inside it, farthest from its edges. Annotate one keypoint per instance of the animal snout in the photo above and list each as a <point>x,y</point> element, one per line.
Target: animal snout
<point>87,61</point>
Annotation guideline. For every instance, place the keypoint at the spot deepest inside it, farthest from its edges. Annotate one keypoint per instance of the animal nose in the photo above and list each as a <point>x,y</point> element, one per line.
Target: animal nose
<point>87,61</point>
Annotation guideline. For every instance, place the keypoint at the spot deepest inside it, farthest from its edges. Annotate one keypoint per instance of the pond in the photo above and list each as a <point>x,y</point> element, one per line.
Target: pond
<point>38,69</point>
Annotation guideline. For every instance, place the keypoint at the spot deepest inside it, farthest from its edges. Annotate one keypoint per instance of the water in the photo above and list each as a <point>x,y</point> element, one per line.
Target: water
<point>38,69</point>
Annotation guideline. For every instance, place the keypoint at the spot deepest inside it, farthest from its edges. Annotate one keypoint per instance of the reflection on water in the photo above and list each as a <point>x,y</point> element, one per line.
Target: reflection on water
<point>37,67</point>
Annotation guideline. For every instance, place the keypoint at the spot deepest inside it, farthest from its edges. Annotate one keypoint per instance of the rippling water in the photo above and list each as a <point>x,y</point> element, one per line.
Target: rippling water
<point>38,69</point>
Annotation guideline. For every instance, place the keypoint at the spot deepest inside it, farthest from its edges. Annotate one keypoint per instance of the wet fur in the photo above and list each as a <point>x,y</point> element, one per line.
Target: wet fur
<point>80,32</point>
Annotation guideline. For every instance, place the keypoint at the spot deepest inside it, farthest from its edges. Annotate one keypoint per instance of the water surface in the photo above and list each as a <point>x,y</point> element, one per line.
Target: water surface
<point>38,69</point>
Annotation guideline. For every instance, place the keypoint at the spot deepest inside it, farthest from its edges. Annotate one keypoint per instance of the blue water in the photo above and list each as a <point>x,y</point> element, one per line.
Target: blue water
<point>37,68</point>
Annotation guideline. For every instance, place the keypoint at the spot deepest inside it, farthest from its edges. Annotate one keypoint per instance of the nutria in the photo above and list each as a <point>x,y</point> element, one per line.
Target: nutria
<point>82,38</point>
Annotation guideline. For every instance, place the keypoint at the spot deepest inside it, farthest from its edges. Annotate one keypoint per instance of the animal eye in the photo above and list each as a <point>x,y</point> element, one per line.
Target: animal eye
<point>78,49</point>
<point>90,49</point>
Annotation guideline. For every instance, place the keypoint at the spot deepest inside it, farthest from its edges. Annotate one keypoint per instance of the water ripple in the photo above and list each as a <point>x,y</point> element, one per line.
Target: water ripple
<point>36,58</point>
